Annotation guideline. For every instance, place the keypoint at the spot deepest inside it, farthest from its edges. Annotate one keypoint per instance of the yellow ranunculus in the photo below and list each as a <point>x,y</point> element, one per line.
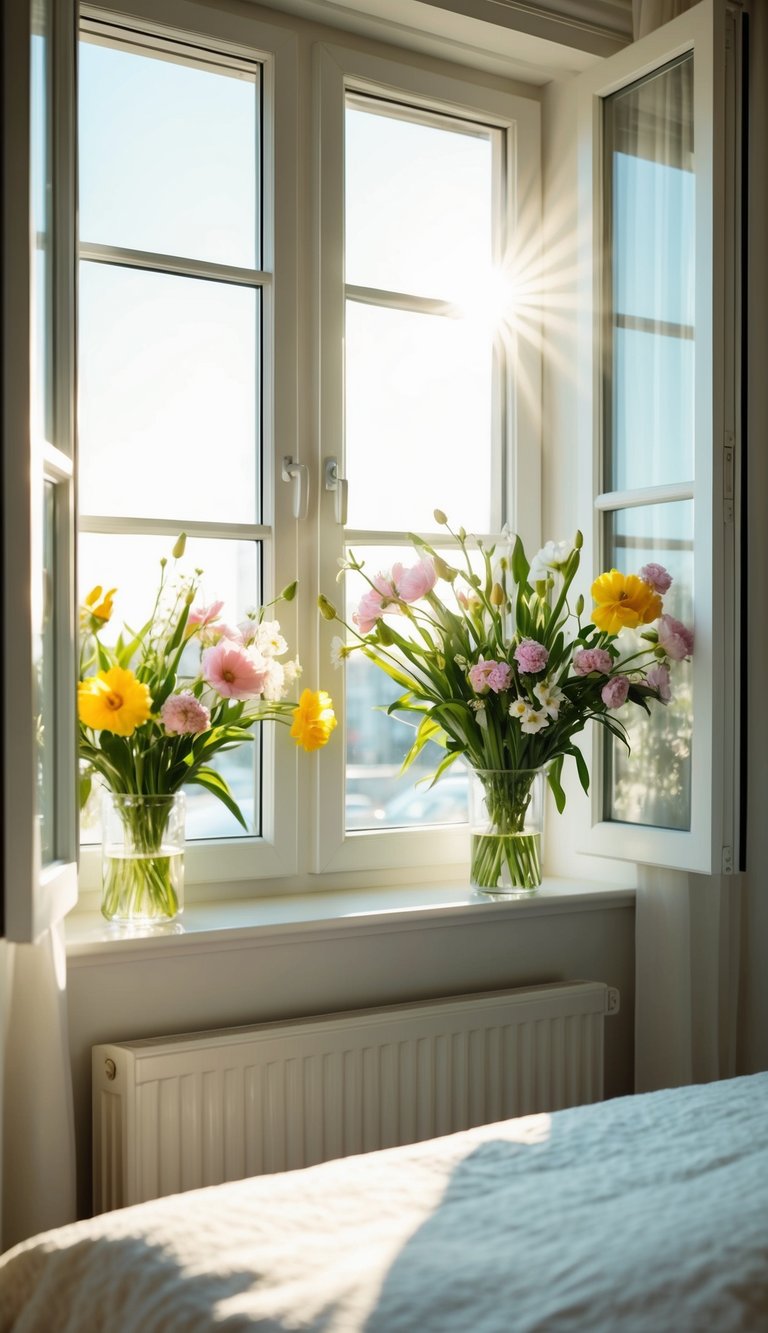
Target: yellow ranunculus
<point>623,601</point>
<point>113,700</point>
<point>313,719</point>
<point>98,606</point>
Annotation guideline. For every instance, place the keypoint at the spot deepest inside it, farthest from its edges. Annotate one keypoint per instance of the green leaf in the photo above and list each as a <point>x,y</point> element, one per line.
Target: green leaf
<point>86,784</point>
<point>520,565</point>
<point>215,784</point>
<point>553,778</point>
<point>581,765</point>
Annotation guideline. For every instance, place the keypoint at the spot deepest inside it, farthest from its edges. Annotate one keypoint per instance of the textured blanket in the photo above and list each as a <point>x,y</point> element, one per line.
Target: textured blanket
<point>645,1213</point>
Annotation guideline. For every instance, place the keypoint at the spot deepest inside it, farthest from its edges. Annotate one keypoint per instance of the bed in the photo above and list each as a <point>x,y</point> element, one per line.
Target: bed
<point>645,1213</point>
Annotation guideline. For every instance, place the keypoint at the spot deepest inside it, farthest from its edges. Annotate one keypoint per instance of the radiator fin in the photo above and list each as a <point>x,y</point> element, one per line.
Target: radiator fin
<point>178,1113</point>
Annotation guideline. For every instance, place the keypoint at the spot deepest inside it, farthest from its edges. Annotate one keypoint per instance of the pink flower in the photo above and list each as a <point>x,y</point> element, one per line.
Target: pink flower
<point>675,638</point>
<point>204,615</point>
<point>531,656</point>
<point>490,675</point>
<point>658,678</point>
<point>592,659</point>
<point>416,581</point>
<point>657,577</point>
<point>183,715</point>
<point>614,692</point>
<point>371,606</point>
<point>234,672</point>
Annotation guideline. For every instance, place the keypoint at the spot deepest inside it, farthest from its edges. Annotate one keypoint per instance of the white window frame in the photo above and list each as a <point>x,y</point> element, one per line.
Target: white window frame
<point>711,844</point>
<point>37,893</point>
<point>274,855</point>
<point>340,70</point>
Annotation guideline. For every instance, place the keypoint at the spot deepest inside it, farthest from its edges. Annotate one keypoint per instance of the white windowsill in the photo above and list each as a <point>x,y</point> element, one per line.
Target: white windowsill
<point>260,921</point>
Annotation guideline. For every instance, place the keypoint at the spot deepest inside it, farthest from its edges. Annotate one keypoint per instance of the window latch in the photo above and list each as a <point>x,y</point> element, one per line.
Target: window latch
<point>298,475</point>
<point>338,484</point>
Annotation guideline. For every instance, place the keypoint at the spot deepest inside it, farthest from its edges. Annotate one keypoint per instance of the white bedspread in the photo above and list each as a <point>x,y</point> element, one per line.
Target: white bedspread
<point>646,1213</point>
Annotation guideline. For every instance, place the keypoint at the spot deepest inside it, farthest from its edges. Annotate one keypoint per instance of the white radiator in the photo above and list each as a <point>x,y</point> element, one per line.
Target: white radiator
<point>175,1113</point>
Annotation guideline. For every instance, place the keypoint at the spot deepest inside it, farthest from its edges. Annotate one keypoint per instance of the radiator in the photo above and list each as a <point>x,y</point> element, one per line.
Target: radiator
<point>175,1113</point>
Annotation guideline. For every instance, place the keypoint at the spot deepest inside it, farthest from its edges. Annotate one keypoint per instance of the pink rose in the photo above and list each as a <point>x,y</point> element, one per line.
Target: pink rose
<point>531,656</point>
<point>183,715</point>
<point>416,581</point>
<point>234,672</point>
<point>490,675</point>
<point>658,678</point>
<point>657,577</point>
<point>592,659</point>
<point>675,638</point>
<point>614,692</point>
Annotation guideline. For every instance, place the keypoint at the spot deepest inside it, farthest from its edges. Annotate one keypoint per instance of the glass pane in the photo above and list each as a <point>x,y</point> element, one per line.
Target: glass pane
<point>377,794</point>
<point>652,785</point>
<point>45,728</point>
<point>651,191</point>
<point>151,131</point>
<point>418,204</point>
<point>418,428</point>
<point>653,409</point>
<point>232,574</point>
<point>169,413</point>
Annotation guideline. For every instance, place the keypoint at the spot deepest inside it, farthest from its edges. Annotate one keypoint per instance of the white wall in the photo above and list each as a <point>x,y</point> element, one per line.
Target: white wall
<point>228,983</point>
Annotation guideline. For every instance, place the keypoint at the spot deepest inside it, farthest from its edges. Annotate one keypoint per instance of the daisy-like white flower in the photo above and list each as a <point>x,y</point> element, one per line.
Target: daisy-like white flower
<point>535,720</point>
<point>548,561</point>
<point>550,697</point>
<point>339,651</point>
<point>518,708</point>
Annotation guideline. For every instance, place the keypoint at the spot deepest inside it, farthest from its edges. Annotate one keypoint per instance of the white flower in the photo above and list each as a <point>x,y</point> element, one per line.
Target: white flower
<point>274,685</point>
<point>339,650</point>
<point>534,720</point>
<point>269,640</point>
<point>478,707</point>
<point>291,672</point>
<point>548,561</point>
<point>550,697</point>
<point>518,708</point>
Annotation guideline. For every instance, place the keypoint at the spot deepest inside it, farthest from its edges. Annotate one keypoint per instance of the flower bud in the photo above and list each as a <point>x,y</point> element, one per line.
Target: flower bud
<point>497,595</point>
<point>579,604</point>
<point>179,546</point>
<point>327,609</point>
<point>462,534</point>
<point>440,517</point>
<point>288,594</point>
<point>578,541</point>
<point>443,570</point>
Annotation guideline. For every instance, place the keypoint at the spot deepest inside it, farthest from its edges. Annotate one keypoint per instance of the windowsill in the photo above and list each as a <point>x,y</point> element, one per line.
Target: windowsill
<point>233,924</point>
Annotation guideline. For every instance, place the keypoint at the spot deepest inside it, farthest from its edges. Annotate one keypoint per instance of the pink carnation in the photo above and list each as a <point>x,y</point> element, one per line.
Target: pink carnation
<point>183,715</point>
<point>233,671</point>
<point>658,678</point>
<point>614,692</point>
<point>204,615</point>
<point>494,676</point>
<point>592,659</point>
<point>415,581</point>
<point>675,638</point>
<point>657,577</point>
<point>531,656</point>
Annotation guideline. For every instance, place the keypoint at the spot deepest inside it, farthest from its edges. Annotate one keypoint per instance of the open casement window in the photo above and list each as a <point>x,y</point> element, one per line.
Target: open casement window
<point>39,816</point>
<point>187,363</point>
<point>429,396</point>
<point>661,139</point>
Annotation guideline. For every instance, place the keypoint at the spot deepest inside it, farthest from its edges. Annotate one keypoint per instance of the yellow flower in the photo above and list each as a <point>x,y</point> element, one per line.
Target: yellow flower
<point>623,601</point>
<point>313,719</point>
<point>98,606</point>
<point>113,700</point>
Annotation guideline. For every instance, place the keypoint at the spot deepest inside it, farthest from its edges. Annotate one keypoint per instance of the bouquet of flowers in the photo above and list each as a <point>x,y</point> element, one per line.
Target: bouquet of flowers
<point>156,707</point>
<point>499,669</point>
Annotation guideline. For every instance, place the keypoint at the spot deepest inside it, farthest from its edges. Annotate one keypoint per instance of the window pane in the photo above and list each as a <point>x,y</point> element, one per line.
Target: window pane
<point>651,194</point>
<point>418,427</point>
<point>152,131</point>
<point>41,193</point>
<point>378,795</point>
<point>231,574</point>
<point>169,403</point>
<point>652,785</point>
<point>418,204</point>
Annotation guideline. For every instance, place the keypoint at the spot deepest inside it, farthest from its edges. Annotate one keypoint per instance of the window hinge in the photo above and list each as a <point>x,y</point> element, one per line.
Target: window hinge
<point>729,447</point>
<point>727,861</point>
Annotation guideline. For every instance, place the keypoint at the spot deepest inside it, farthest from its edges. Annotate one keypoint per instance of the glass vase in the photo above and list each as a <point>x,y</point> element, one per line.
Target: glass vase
<point>142,857</point>
<point>506,821</point>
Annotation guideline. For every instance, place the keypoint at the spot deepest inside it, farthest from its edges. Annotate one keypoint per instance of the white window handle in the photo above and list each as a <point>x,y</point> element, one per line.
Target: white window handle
<point>298,474</point>
<point>333,482</point>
